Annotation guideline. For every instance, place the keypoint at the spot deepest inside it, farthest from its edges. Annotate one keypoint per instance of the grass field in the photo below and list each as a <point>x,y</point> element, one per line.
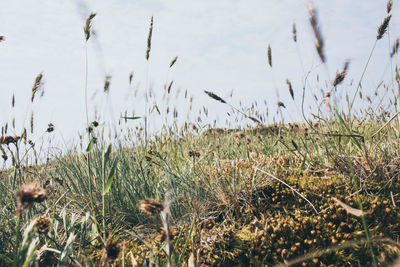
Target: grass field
<point>321,192</point>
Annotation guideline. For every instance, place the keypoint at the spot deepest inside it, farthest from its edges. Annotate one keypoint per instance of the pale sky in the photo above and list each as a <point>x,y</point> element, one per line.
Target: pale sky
<point>221,45</point>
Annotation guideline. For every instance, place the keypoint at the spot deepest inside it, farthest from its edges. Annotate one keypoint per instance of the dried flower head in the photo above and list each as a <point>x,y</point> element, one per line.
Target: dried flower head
<point>43,224</point>
<point>151,206</point>
<point>383,27</point>
<point>29,194</point>
<point>88,26</point>
<point>112,251</point>
<point>50,128</point>
<point>46,256</point>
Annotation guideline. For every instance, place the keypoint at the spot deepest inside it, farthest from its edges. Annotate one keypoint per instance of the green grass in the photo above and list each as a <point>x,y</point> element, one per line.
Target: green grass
<point>261,195</point>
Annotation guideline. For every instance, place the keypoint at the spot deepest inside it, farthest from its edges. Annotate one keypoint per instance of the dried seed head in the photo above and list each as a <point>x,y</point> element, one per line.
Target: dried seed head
<point>170,86</point>
<point>112,251</point>
<point>6,140</point>
<point>269,56</point>
<point>280,104</point>
<point>340,76</point>
<point>43,224</point>
<point>107,83</point>
<point>36,86</point>
<point>389,6</point>
<point>149,39</point>
<point>95,123</point>
<point>13,101</point>
<point>395,47</point>
<point>29,194</point>
<point>173,61</point>
<point>50,128</point>
<point>383,27</point>
<point>130,77</point>
<point>151,206</point>
<point>319,44</point>
<point>214,96</point>
<point>290,88</point>
<point>294,31</point>
<point>325,100</point>
<point>88,26</point>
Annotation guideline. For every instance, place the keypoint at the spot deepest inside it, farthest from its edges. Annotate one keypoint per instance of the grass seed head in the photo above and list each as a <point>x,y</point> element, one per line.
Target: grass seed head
<point>389,6</point>
<point>173,61</point>
<point>294,31</point>
<point>383,27</point>
<point>149,39</point>
<point>269,56</point>
<point>214,96</point>
<point>395,47</point>
<point>319,44</point>
<point>36,86</point>
<point>290,88</point>
<point>88,26</point>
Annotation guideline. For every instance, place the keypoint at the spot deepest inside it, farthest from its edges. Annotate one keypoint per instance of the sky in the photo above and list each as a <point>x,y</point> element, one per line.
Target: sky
<point>221,47</point>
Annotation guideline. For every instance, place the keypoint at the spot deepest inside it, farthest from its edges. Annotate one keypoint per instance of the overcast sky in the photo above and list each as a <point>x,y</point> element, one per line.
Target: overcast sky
<point>221,45</point>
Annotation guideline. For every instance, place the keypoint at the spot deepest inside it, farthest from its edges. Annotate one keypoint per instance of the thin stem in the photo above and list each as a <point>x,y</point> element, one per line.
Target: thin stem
<point>362,76</point>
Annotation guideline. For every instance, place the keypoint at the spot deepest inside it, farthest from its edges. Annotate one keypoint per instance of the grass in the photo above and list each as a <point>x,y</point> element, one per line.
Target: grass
<point>322,192</point>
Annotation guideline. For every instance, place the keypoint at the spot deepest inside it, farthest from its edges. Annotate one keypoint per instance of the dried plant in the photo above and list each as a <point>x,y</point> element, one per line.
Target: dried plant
<point>383,27</point>
<point>319,44</point>
<point>2,38</point>
<point>325,100</point>
<point>173,61</point>
<point>281,104</point>
<point>214,96</point>
<point>290,88</point>
<point>36,86</point>
<point>269,56</point>
<point>88,26</point>
<point>107,83</point>
<point>389,6</point>
<point>151,206</point>
<point>29,194</point>
<point>340,76</point>
<point>170,86</point>
<point>294,31</point>
<point>130,77</point>
<point>149,39</point>
<point>395,47</point>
